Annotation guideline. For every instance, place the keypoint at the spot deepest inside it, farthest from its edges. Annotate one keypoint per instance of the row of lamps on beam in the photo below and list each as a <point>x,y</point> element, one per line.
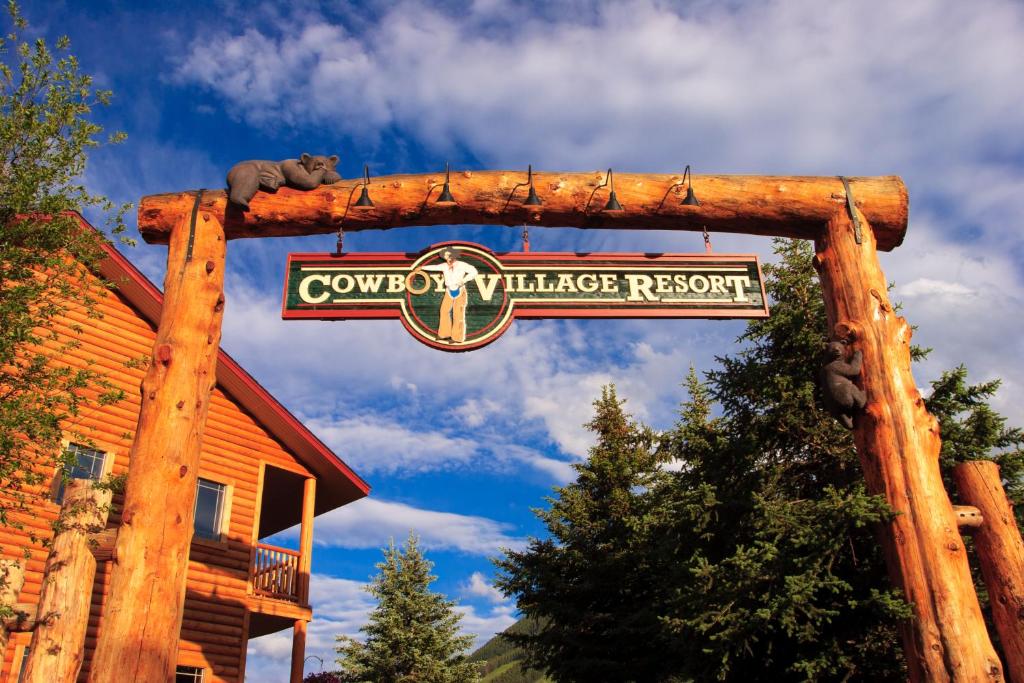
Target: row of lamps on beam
<point>532,199</point>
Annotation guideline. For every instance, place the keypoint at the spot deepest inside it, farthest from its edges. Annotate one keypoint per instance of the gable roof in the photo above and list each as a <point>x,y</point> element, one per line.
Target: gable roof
<point>337,483</point>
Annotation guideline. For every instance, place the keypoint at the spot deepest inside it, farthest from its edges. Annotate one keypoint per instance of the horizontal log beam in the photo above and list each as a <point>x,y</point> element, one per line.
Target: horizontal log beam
<point>784,206</point>
<point>968,517</point>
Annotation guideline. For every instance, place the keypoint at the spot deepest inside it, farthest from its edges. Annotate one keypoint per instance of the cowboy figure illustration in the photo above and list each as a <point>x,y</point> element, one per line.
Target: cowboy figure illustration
<point>457,274</point>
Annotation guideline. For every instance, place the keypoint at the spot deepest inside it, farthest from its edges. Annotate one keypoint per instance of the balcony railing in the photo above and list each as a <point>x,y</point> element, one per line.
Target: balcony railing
<point>275,573</point>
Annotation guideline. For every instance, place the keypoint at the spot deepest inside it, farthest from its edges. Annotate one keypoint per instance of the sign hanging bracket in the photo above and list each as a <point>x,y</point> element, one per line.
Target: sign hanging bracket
<point>857,235</point>
<point>192,226</point>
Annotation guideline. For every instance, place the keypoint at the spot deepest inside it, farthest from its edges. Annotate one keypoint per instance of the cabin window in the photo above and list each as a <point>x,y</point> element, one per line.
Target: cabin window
<point>210,509</point>
<point>82,463</point>
<point>188,674</point>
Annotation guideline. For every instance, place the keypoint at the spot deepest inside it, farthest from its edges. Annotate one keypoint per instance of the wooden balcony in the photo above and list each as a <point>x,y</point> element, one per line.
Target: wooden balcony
<point>276,573</point>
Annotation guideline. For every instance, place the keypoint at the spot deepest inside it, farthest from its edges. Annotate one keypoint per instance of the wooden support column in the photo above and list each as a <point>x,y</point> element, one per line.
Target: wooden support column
<point>12,579</point>
<point>138,640</point>
<point>298,650</point>
<point>1000,554</point>
<point>306,539</point>
<point>58,641</point>
<point>898,446</point>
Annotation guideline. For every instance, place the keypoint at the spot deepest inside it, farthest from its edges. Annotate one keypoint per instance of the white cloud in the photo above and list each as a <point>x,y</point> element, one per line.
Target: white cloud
<point>479,586</point>
<point>485,626</point>
<point>340,607</point>
<point>474,412</point>
<point>926,286</point>
<point>849,86</point>
<point>794,87</point>
<point>371,444</point>
<point>372,523</point>
<point>537,381</point>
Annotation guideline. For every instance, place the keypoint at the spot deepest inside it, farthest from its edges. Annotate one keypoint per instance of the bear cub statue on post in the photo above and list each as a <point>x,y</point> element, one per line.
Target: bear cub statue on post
<point>841,396</point>
<point>307,172</point>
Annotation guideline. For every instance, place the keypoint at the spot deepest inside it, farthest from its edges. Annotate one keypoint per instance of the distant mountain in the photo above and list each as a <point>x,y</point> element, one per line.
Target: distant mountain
<point>502,660</point>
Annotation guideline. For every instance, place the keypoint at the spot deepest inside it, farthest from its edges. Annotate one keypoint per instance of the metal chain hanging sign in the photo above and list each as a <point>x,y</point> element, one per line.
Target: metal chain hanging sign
<point>459,296</point>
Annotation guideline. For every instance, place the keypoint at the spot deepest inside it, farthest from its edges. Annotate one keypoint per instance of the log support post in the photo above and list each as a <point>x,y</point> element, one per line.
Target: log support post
<point>298,650</point>
<point>898,447</point>
<point>58,640</point>
<point>12,579</point>
<point>306,538</point>
<point>1001,556</point>
<point>138,640</point>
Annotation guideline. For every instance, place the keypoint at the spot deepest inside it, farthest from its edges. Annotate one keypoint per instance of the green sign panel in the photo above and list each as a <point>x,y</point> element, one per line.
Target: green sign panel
<point>460,296</point>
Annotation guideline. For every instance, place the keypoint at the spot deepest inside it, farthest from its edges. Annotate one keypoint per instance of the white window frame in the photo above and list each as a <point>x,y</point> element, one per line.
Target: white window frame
<point>204,670</point>
<point>105,469</point>
<point>225,513</point>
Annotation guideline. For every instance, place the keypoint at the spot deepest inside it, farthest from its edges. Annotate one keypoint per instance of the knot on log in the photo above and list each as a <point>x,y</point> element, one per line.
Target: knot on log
<point>882,302</point>
<point>846,331</point>
<point>163,354</point>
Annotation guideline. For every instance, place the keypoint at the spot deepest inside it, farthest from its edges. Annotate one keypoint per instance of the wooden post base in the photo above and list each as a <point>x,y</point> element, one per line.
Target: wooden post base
<point>298,650</point>
<point>58,641</point>
<point>12,579</point>
<point>138,639</point>
<point>1001,556</point>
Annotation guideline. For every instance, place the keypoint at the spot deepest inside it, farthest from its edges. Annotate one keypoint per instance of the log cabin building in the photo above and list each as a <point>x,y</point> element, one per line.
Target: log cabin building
<point>260,472</point>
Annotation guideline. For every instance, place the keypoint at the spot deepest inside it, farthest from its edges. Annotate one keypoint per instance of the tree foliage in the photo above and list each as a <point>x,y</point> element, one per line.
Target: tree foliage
<point>412,635</point>
<point>589,585</point>
<point>45,256</point>
<point>754,554</point>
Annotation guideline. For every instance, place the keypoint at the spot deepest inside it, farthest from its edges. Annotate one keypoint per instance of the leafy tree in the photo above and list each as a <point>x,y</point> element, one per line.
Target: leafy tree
<point>412,635</point>
<point>45,256</point>
<point>589,587</point>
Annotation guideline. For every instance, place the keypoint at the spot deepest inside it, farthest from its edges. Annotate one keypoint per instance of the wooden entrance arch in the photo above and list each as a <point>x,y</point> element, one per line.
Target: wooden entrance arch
<point>897,439</point>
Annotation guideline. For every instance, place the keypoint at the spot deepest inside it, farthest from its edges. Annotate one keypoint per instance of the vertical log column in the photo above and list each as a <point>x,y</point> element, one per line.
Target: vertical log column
<point>306,539</point>
<point>898,446</point>
<point>139,633</point>
<point>1000,554</point>
<point>12,580</point>
<point>58,641</point>
<point>298,650</point>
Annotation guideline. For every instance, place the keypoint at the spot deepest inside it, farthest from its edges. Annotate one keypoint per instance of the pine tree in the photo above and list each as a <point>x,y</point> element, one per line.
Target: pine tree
<point>756,556</point>
<point>412,635</point>
<point>782,576</point>
<point>588,587</point>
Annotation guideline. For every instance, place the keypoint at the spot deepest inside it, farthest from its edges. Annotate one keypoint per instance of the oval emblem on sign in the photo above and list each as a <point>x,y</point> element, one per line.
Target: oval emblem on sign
<point>456,298</point>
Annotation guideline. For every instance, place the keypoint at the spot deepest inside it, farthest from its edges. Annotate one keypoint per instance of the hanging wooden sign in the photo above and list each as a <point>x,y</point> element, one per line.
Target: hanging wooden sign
<point>459,296</point>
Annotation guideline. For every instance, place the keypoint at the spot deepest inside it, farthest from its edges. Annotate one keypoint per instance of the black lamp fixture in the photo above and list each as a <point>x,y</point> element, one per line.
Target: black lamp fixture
<point>690,199</point>
<point>364,201</point>
<point>531,199</point>
<point>612,205</point>
<point>446,198</point>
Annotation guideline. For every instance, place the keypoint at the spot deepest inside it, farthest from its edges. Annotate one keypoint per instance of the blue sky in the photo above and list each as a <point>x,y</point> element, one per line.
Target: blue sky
<point>460,447</point>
